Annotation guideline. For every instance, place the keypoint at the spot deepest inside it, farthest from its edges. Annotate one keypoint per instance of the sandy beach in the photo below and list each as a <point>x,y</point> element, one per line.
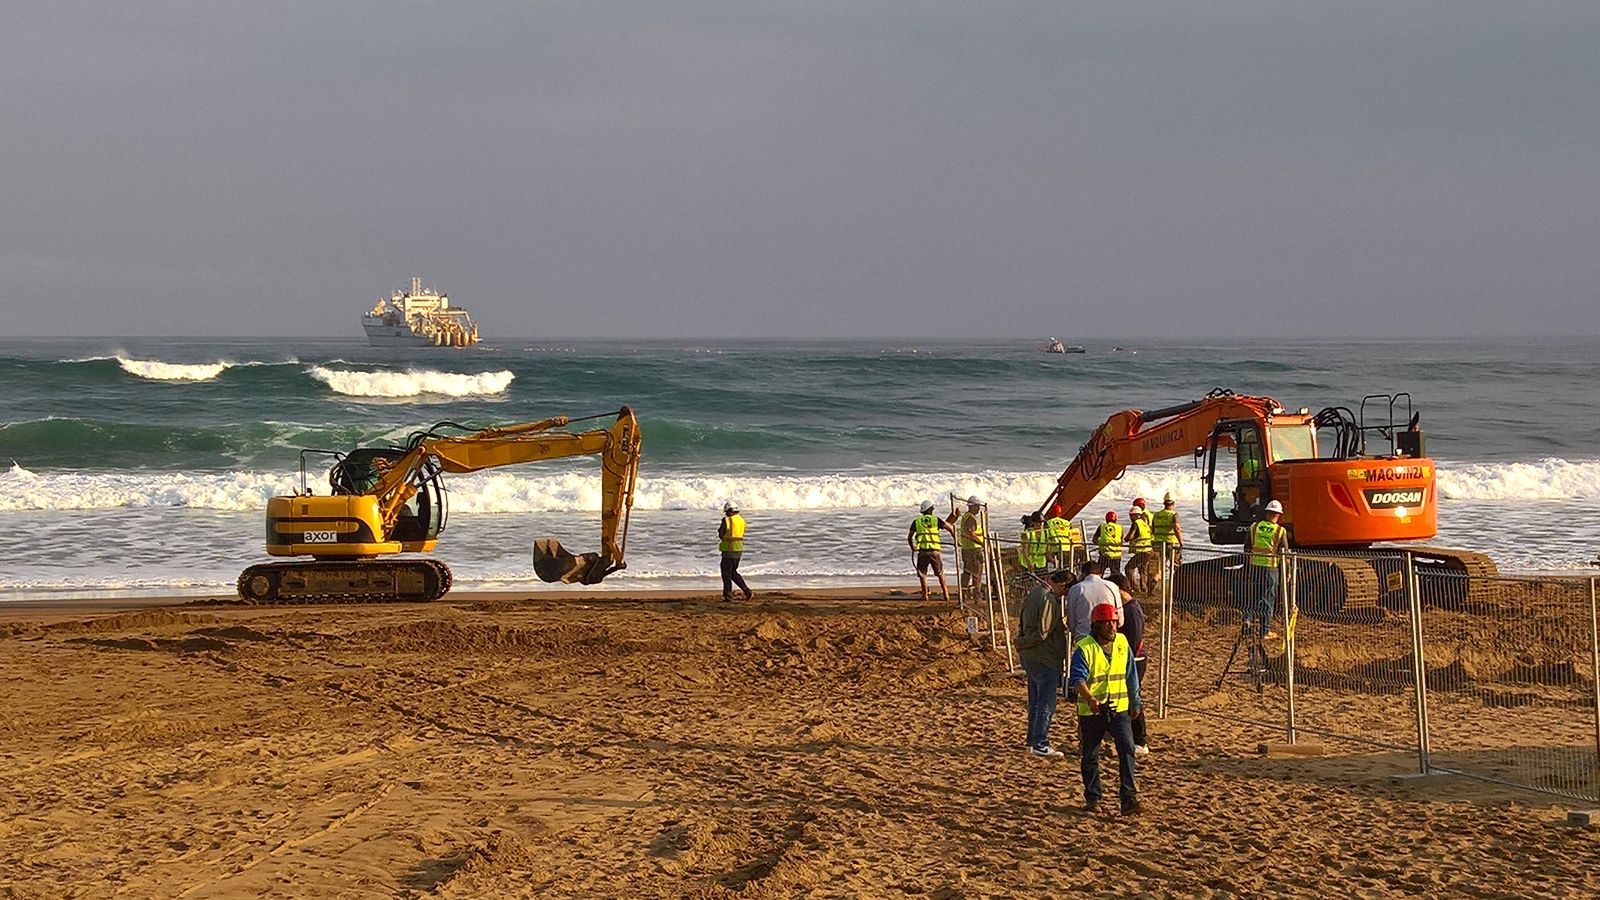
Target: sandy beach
<point>820,743</point>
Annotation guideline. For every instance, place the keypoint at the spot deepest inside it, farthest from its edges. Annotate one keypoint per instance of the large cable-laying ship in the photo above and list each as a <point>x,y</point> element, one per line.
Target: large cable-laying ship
<point>420,317</point>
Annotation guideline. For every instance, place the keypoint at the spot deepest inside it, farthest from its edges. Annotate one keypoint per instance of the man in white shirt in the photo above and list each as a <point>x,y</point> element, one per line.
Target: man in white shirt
<point>1090,591</point>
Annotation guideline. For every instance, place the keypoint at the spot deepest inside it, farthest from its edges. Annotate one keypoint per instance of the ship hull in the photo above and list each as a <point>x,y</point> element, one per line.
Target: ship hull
<point>394,336</point>
<point>382,334</point>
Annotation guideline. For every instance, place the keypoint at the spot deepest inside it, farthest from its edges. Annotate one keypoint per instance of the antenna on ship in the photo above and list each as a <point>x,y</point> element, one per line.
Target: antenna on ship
<point>416,286</point>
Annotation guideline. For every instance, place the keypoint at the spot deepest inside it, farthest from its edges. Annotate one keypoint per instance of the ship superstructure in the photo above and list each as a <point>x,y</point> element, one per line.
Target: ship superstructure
<point>420,317</point>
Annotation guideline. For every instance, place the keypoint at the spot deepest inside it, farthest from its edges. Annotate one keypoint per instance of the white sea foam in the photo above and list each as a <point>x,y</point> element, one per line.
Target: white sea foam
<point>578,489</point>
<point>412,383</point>
<point>163,371</point>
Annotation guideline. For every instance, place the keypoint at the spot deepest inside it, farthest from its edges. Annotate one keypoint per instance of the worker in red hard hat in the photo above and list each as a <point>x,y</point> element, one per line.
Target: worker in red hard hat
<point>1058,538</point>
<point>1108,538</point>
<point>1106,683</point>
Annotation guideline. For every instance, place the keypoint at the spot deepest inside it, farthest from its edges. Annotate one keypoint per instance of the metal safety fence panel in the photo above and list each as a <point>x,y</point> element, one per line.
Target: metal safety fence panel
<point>1213,662</point>
<point>1348,638</point>
<point>1511,686</point>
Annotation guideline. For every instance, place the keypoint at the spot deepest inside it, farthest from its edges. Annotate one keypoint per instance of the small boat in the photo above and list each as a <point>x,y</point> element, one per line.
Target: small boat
<point>1056,346</point>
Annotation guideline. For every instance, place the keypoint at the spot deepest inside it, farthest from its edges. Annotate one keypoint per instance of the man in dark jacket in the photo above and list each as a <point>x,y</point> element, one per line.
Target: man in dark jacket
<point>1042,644</point>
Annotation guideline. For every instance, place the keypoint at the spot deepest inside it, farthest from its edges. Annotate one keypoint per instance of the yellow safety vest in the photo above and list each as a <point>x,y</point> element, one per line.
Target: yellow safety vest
<point>1164,526</point>
<point>1031,549</point>
<point>1140,535</point>
<point>1108,678</point>
<point>1108,537</point>
<point>976,541</point>
<point>732,534</point>
<point>1263,535</point>
<point>927,528</point>
<point>1060,533</point>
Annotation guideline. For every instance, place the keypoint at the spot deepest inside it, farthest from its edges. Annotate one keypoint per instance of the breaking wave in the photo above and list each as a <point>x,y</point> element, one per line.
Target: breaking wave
<point>577,489</point>
<point>413,383</point>
<point>156,370</point>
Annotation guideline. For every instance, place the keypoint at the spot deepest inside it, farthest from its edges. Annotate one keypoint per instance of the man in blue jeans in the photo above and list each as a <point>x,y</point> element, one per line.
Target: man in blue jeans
<point>1042,644</point>
<point>1106,683</point>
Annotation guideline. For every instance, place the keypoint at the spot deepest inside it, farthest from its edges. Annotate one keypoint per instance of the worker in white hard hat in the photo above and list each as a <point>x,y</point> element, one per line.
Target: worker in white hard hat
<point>970,539</point>
<point>923,538</point>
<point>730,540</point>
<point>1267,540</point>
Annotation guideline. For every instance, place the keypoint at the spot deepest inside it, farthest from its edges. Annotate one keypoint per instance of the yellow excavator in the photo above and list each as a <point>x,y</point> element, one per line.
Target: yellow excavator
<point>391,500</point>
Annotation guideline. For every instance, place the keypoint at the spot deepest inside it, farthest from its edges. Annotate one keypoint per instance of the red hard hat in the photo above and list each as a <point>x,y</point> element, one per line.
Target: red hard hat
<point>1111,516</point>
<point>1104,612</point>
<point>1139,502</point>
<point>1055,510</point>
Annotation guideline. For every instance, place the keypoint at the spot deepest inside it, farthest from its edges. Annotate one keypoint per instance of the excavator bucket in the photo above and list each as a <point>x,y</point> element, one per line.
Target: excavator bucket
<point>553,562</point>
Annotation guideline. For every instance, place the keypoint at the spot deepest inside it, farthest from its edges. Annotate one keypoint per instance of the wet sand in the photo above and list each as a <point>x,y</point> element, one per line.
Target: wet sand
<point>818,743</point>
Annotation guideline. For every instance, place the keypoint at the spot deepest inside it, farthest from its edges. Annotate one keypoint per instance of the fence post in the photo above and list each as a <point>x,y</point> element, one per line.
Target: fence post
<point>993,545</point>
<point>1594,671</point>
<point>1168,576</point>
<point>1419,665</point>
<point>1291,609</point>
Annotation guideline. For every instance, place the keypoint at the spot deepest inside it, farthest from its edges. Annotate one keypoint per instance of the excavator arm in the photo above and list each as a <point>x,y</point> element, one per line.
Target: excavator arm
<point>618,449</point>
<point>1134,437</point>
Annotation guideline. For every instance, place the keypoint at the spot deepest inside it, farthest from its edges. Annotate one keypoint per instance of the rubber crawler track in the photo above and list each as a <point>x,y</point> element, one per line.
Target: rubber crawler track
<point>265,584</point>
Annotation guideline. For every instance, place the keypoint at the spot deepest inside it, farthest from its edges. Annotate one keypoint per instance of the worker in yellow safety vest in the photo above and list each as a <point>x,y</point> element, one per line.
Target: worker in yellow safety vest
<point>1105,681</point>
<point>1140,544</point>
<point>923,538</point>
<point>1058,538</point>
<point>1032,544</point>
<point>730,541</point>
<point>1108,538</point>
<point>1267,540</point>
<point>1167,534</point>
<point>969,538</point>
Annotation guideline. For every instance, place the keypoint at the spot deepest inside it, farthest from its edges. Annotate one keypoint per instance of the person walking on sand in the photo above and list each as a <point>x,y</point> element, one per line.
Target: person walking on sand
<point>1042,645</point>
<point>971,541</point>
<point>730,540</point>
<point>923,538</point>
<point>1108,537</point>
<point>1106,683</point>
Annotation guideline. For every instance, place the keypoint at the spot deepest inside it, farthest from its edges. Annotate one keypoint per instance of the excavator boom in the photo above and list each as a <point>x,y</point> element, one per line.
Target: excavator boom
<point>1135,437</point>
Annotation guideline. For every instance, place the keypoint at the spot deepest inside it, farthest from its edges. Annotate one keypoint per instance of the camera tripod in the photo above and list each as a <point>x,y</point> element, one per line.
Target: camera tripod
<point>1255,658</point>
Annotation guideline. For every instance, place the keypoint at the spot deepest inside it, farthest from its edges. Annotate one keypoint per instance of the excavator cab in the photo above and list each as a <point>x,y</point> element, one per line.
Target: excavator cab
<point>1236,478</point>
<point>421,517</point>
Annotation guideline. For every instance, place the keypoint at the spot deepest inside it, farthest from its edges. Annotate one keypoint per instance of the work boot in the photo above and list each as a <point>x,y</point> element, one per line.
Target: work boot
<point>749,594</point>
<point>1132,808</point>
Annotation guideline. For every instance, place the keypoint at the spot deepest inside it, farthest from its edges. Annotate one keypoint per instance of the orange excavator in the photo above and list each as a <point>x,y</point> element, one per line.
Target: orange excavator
<point>386,501</point>
<point>1346,480</point>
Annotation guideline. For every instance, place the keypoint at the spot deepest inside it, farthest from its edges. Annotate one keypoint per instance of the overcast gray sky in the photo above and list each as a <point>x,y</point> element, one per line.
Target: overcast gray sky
<point>728,169</point>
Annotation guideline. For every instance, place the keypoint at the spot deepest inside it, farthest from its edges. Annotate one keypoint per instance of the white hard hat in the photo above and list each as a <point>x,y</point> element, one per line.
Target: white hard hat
<point>1167,499</point>
<point>974,501</point>
<point>730,507</point>
<point>1274,507</point>
<point>927,506</point>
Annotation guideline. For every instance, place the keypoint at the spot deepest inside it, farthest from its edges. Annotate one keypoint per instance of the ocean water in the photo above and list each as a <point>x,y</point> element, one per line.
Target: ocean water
<point>143,465</point>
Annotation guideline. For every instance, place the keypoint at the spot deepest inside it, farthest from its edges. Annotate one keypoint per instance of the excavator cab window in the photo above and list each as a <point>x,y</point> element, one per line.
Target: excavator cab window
<point>422,516</point>
<point>1293,442</point>
<point>1236,479</point>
